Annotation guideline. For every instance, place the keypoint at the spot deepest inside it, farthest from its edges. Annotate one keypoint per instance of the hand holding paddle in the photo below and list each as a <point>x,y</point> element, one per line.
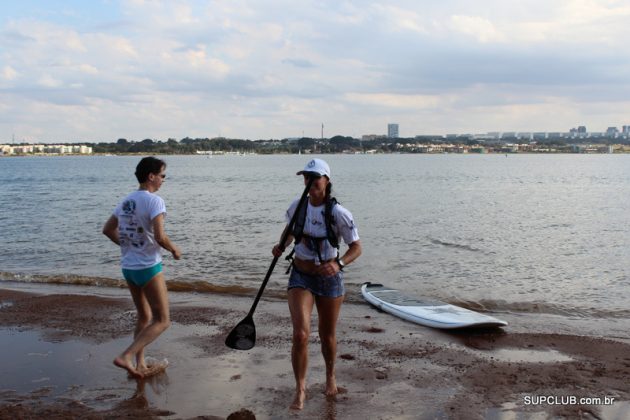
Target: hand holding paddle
<point>243,336</point>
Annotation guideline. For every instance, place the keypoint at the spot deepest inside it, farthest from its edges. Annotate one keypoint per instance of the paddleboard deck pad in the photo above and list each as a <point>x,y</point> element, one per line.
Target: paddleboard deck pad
<point>423,311</point>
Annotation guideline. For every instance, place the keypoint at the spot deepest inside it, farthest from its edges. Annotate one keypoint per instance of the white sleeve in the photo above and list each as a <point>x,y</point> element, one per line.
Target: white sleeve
<point>157,207</point>
<point>345,224</point>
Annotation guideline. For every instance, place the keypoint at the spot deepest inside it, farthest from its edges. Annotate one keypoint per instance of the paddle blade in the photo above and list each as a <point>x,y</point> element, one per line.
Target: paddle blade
<point>243,336</point>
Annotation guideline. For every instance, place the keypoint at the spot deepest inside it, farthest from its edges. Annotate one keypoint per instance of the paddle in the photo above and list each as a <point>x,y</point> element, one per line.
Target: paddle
<point>243,336</point>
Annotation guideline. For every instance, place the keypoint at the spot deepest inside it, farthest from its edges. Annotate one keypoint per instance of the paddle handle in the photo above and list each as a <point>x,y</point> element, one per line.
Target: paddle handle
<point>283,240</point>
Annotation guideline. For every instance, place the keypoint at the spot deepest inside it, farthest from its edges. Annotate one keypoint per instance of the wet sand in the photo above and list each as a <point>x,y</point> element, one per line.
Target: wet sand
<point>57,350</point>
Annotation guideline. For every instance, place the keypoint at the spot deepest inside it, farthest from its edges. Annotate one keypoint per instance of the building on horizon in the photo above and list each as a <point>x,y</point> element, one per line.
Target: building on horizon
<point>392,131</point>
<point>612,132</point>
<point>45,149</point>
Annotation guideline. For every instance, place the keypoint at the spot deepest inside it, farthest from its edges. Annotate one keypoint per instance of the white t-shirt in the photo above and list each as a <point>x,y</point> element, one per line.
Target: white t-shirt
<point>135,214</point>
<point>315,226</point>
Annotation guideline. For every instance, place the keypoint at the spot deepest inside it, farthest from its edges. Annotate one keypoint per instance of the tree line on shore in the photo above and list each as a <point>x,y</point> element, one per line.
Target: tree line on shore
<point>189,145</point>
<point>336,144</point>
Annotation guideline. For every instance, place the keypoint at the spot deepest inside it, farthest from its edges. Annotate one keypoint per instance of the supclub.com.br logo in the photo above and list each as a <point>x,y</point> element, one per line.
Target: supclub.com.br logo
<point>566,400</point>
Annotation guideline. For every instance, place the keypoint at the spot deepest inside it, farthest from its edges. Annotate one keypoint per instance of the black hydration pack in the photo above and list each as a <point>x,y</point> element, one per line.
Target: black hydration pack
<point>298,229</point>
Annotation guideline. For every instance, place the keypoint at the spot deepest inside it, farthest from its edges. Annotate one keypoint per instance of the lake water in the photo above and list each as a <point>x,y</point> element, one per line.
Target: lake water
<point>517,233</point>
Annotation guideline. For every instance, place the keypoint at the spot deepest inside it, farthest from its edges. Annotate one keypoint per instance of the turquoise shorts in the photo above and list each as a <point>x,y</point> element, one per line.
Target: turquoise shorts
<point>141,278</point>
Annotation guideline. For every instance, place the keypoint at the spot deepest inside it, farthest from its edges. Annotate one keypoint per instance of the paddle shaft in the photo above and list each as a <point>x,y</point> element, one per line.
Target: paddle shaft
<point>283,240</point>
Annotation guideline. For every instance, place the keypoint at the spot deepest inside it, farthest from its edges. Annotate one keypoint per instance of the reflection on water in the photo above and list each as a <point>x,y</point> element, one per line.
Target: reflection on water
<point>537,233</point>
<point>31,363</point>
<point>618,410</point>
<point>83,372</point>
<point>529,356</point>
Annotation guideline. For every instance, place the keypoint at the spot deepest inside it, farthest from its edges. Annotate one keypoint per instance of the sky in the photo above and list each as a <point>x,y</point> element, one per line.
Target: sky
<point>101,70</point>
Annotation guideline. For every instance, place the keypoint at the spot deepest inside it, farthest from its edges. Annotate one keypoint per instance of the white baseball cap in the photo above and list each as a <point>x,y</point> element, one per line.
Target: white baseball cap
<point>316,166</point>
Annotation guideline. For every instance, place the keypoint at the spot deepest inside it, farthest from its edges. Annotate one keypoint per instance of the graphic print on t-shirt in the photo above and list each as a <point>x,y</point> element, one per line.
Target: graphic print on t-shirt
<point>129,207</point>
<point>130,232</point>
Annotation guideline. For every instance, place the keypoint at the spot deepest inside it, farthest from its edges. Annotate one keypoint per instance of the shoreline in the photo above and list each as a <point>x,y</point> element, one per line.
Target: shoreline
<point>386,367</point>
<point>351,153</point>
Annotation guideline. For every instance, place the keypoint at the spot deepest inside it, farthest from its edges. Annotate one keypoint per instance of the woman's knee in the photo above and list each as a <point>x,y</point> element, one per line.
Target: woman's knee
<point>162,319</point>
<point>300,336</point>
<point>327,337</point>
<point>166,324</point>
<point>144,321</point>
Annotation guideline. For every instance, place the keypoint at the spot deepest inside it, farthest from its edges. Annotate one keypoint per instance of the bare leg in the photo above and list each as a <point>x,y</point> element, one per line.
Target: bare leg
<point>301,307</point>
<point>145,316</point>
<point>328,312</point>
<point>157,298</point>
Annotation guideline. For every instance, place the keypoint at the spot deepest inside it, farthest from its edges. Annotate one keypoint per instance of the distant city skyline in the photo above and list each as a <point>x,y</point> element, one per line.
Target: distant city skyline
<point>94,71</point>
<point>391,131</point>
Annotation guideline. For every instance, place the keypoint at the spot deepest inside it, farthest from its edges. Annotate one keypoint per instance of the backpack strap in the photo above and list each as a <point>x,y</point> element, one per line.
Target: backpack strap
<point>298,233</point>
<point>300,221</point>
<point>331,222</point>
<point>290,259</point>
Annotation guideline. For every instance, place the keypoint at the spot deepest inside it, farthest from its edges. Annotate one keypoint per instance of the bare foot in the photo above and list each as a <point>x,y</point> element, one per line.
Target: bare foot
<point>331,387</point>
<point>298,401</point>
<point>126,364</point>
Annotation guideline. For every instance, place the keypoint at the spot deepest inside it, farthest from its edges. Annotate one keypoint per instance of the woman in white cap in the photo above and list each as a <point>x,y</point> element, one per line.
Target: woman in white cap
<point>316,276</point>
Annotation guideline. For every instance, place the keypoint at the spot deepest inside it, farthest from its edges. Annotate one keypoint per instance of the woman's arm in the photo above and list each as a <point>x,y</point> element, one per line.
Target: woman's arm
<point>332,267</point>
<point>353,252</point>
<point>162,238</point>
<point>279,248</point>
<point>111,229</point>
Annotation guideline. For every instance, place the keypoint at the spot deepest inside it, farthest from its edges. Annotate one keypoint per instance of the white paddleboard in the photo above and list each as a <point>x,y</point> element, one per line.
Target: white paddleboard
<point>423,311</point>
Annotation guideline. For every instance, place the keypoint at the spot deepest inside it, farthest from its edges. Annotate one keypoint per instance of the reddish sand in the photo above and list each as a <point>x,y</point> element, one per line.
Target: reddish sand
<point>386,368</point>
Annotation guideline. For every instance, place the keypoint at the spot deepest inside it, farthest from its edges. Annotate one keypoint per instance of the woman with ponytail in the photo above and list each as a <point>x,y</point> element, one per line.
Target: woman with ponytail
<point>316,274</point>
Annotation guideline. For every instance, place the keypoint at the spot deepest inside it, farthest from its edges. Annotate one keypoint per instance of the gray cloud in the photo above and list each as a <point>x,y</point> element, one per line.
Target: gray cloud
<point>276,68</point>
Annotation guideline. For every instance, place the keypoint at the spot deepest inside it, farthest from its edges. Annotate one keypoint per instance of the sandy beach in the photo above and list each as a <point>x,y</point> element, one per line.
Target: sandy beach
<point>57,349</point>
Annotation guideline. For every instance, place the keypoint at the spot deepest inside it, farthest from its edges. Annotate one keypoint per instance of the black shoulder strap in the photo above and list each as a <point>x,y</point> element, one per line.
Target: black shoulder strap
<point>298,227</point>
<point>297,232</point>
<point>331,222</point>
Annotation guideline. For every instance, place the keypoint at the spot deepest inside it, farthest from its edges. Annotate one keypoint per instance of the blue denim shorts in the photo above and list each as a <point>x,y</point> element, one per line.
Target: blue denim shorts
<point>318,285</point>
<point>142,277</point>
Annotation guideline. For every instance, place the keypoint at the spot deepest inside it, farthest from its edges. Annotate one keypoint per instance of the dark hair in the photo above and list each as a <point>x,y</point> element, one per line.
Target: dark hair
<point>328,190</point>
<point>148,165</point>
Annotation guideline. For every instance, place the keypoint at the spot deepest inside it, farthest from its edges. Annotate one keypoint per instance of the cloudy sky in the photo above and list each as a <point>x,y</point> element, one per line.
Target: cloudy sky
<point>100,70</point>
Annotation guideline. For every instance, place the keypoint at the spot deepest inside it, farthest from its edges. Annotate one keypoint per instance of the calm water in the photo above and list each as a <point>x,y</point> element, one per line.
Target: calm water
<point>523,233</point>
